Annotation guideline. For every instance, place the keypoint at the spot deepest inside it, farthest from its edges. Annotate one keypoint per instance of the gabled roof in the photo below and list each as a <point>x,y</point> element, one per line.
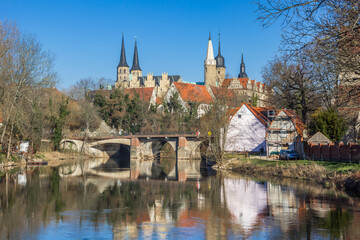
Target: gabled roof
<point>144,93</point>
<point>299,125</point>
<point>193,93</point>
<point>319,138</point>
<point>243,82</point>
<point>256,111</point>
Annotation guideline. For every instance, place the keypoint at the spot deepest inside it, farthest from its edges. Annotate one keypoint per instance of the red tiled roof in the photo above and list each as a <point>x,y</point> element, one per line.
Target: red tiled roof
<point>1,118</point>
<point>159,100</point>
<point>231,112</point>
<point>258,112</point>
<point>193,93</point>
<point>299,125</point>
<point>144,93</point>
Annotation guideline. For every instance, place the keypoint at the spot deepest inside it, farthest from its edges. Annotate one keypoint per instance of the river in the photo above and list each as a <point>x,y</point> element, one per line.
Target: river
<point>85,200</point>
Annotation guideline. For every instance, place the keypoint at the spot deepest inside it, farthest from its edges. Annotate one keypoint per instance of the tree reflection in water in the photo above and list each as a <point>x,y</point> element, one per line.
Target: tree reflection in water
<point>214,207</point>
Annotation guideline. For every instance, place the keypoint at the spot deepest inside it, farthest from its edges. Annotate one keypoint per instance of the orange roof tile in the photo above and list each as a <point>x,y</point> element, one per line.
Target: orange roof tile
<point>258,112</point>
<point>299,125</point>
<point>159,100</point>
<point>144,93</point>
<point>193,93</point>
<point>1,118</point>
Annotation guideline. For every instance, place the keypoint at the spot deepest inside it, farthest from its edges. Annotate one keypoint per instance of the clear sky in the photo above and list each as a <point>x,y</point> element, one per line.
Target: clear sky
<point>85,35</point>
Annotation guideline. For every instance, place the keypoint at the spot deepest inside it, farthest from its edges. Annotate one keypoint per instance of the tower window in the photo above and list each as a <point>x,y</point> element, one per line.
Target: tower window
<point>120,70</point>
<point>218,72</point>
<point>124,70</point>
<point>205,69</point>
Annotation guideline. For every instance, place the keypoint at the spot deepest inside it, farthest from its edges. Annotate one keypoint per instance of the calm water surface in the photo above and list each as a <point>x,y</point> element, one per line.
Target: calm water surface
<point>84,201</point>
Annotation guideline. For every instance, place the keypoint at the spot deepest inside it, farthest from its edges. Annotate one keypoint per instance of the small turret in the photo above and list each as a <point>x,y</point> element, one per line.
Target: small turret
<point>242,73</point>
<point>220,61</point>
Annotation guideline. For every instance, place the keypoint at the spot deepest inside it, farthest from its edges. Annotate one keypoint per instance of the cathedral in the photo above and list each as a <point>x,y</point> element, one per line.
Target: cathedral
<point>214,77</point>
<point>134,77</point>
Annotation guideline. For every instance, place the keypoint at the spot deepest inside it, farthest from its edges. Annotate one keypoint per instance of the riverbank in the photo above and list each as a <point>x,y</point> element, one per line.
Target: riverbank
<point>344,176</point>
<point>53,158</point>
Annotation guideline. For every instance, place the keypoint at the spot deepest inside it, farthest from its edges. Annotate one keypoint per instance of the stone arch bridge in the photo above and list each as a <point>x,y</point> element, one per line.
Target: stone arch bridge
<point>142,150</point>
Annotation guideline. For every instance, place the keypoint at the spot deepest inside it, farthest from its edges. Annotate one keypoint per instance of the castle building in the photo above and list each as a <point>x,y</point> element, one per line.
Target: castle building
<point>134,78</point>
<point>214,76</point>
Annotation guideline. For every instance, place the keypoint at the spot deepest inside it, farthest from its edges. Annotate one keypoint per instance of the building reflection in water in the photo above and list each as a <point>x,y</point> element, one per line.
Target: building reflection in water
<point>82,201</point>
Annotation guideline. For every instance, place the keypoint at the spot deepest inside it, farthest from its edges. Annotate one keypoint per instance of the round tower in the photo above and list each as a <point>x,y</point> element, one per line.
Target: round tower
<point>220,67</point>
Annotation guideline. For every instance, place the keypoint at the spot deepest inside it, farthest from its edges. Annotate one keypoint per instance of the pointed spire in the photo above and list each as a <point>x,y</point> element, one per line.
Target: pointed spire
<point>135,65</point>
<point>219,51</point>
<point>220,61</point>
<point>242,73</point>
<point>210,53</point>
<point>123,62</point>
<point>209,36</point>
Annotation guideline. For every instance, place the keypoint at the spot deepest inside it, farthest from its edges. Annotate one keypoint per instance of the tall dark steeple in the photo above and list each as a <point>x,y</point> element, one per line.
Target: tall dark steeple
<point>135,65</point>
<point>123,62</point>
<point>220,61</point>
<point>242,73</point>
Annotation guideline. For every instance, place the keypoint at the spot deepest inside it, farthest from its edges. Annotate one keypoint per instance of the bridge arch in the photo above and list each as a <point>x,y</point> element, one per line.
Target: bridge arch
<point>71,144</point>
<point>164,153</point>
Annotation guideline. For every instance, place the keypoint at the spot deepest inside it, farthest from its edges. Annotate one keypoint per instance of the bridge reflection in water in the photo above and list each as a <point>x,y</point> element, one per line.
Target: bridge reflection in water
<point>175,157</point>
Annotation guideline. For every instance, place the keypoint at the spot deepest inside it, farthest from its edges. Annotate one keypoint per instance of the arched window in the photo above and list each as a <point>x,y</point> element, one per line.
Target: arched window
<point>120,71</point>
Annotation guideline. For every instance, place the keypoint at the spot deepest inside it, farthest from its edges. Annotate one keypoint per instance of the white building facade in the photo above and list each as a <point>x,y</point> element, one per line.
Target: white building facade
<point>246,131</point>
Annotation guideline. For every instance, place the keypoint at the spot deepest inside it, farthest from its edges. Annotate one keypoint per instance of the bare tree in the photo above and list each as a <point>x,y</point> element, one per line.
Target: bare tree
<point>328,29</point>
<point>80,90</point>
<point>24,68</point>
<point>294,85</point>
<point>89,119</point>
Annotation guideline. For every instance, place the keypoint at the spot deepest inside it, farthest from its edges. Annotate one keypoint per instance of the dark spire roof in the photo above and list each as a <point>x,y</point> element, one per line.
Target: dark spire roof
<point>209,35</point>
<point>242,73</point>
<point>135,65</point>
<point>123,62</point>
<point>220,61</point>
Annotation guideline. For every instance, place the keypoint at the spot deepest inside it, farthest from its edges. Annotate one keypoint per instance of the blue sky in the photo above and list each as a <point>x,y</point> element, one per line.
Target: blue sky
<point>85,35</point>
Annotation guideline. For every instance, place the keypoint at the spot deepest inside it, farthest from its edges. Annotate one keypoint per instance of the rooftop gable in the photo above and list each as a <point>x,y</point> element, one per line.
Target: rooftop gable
<point>299,125</point>
<point>255,111</point>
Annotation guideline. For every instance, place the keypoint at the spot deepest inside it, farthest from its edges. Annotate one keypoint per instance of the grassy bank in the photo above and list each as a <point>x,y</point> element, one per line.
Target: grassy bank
<point>345,176</point>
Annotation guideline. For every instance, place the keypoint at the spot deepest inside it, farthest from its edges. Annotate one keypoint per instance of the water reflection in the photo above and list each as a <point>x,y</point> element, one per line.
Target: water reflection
<point>47,202</point>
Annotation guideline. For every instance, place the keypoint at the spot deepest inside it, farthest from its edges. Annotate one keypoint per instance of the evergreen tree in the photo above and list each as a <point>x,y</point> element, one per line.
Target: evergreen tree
<point>58,122</point>
<point>329,123</point>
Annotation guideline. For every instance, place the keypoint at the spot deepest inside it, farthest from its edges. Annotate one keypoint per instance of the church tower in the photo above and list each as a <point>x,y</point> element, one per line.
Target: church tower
<point>220,67</point>
<point>242,73</point>
<point>135,69</point>
<point>210,66</point>
<point>122,69</point>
